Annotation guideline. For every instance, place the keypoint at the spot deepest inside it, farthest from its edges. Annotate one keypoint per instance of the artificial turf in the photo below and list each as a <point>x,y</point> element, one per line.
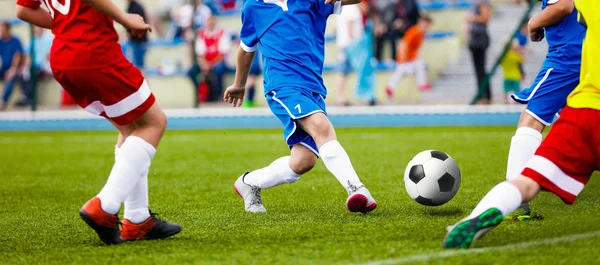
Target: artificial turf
<point>46,177</point>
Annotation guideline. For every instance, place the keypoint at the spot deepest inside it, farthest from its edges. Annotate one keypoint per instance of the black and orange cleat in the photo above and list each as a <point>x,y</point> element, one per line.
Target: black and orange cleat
<point>106,225</point>
<point>151,228</point>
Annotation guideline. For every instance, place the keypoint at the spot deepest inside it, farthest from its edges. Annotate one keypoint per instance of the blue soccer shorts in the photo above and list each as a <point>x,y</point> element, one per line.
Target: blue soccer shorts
<point>290,104</point>
<point>548,94</point>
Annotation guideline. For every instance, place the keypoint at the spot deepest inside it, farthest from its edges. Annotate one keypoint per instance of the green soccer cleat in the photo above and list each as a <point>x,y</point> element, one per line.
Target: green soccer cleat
<point>249,104</point>
<point>520,214</point>
<point>465,232</point>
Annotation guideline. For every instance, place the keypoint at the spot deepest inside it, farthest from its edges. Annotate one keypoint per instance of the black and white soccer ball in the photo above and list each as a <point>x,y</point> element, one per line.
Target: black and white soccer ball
<point>432,178</point>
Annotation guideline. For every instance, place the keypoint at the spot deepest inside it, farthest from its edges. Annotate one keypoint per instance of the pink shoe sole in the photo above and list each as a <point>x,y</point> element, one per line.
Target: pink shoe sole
<point>358,203</point>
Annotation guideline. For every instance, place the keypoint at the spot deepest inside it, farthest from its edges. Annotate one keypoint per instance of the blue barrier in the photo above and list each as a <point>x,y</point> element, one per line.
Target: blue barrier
<point>227,118</point>
<point>271,122</point>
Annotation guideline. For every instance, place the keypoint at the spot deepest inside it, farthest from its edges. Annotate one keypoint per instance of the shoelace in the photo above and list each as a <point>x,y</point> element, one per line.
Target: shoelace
<point>256,199</point>
<point>353,188</point>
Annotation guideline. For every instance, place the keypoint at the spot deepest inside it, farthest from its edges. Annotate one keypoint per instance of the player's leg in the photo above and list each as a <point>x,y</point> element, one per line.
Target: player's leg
<point>8,90</point>
<point>421,73</point>
<point>131,105</point>
<point>337,161</point>
<point>395,79</point>
<point>131,164</point>
<point>193,73</point>
<point>255,72</point>
<point>139,223</point>
<point>544,100</point>
<point>562,165</point>
<point>283,170</point>
<point>344,70</point>
<point>135,207</point>
<point>250,91</point>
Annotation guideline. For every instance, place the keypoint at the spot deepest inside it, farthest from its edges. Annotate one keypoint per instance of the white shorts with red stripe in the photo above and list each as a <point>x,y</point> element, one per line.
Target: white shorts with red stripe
<point>565,161</point>
<point>117,92</point>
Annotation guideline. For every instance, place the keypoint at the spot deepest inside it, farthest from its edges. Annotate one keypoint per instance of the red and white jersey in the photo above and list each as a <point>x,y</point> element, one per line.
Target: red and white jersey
<point>211,44</point>
<point>84,37</point>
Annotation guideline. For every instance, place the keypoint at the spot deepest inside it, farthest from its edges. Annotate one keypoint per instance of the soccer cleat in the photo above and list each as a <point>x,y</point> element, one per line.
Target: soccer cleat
<point>151,228</point>
<point>360,199</point>
<point>389,92</point>
<point>520,214</point>
<point>425,87</point>
<point>466,231</point>
<point>250,194</point>
<point>106,225</point>
<point>249,104</point>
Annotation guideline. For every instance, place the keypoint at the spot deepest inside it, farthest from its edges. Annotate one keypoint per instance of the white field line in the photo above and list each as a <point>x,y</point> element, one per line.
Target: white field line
<point>451,253</point>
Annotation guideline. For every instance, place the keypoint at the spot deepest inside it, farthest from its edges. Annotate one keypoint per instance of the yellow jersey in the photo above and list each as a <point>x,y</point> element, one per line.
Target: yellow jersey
<point>511,66</point>
<point>587,93</point>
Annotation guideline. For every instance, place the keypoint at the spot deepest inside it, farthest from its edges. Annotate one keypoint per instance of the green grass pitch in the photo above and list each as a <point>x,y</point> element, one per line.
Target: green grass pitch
<point>46,177</point>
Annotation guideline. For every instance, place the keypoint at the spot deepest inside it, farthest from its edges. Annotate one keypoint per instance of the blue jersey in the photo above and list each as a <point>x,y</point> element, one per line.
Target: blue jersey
<point>291,38</point>
<point>565,41</point>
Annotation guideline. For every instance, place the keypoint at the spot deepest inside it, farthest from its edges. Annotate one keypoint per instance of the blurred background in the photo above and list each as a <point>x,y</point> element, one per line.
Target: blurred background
<point>189,59</point>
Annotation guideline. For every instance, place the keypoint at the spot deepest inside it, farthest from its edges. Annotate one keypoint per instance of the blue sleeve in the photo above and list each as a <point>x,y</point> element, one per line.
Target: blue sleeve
<point>248,34</point>
<point>327,10</point>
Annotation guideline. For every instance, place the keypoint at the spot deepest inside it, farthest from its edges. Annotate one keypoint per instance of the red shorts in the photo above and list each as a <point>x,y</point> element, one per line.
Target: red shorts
<point>118,92</point>
<point>565,161</point>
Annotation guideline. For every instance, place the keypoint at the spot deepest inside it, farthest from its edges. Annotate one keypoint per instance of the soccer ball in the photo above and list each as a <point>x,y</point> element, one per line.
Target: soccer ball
<point>432,178</point>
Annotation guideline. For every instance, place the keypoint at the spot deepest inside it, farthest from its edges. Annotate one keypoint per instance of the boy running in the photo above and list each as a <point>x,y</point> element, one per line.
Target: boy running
<point>290,35</point>
<point>408,61</point>
<point>564,162</point>
<point>548,94</point>
<point>87,61</point>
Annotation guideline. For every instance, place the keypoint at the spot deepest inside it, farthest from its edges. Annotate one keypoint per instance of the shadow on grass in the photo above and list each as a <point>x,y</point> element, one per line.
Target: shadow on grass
<point>443,212</point>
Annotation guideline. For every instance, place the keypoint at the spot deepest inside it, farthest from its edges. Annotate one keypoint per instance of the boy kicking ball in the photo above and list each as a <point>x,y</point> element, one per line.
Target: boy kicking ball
<point>566,159</point>
<point>290,36</point>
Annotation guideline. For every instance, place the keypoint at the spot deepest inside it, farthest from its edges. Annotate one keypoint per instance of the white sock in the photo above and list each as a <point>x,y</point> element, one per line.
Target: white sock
<point>277,173</point>
<point>338,163</point>
<point>136,205</point>
<point>504,196</point>
<point>396,77</point>
<point>132,162</point>
<point>522,148</point>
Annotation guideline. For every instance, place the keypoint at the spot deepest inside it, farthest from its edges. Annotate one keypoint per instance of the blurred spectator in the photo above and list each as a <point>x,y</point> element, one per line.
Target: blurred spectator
<point>164,11</point>
<point>228,4</point>
<point>182,19</point>
<point>349,30</point>
<point>511,66</point>
<point>479,42</point>
<point>386,24</point>
<point>523,39</point>
<point>212,45</point>
<point>138,45</point>
<point>11,53</point>
<point>392,18</point>
<point>255,72</point>
<point>408,61</point>
<point>410,14</point>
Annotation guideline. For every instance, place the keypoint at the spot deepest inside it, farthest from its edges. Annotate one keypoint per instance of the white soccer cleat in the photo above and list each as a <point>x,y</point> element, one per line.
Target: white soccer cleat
<point>360,199</point>
<point>250,194</point>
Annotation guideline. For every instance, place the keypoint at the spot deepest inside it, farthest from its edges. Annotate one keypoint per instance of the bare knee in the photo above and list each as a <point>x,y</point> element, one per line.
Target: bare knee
<point>527,120</point>
<point>528,187</point>
<point>302,159</point>
<point>151,125</point>
<point>319,127</point>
